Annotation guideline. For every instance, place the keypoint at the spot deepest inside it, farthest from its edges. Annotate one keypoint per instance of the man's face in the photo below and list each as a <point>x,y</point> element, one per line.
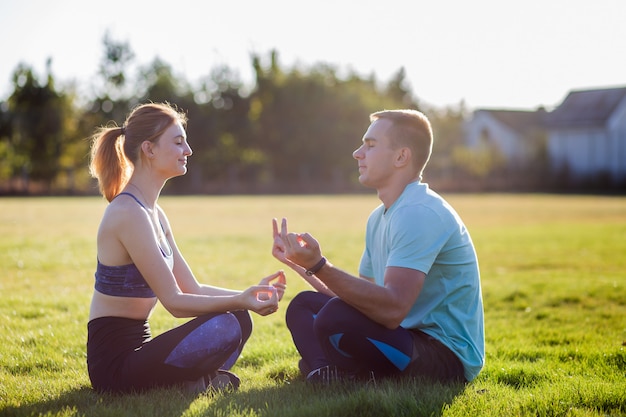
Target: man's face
<point>375,156</point>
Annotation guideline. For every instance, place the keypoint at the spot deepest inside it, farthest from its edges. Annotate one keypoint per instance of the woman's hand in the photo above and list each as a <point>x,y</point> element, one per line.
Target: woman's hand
<point>278,281</point>
<point>262,299</point>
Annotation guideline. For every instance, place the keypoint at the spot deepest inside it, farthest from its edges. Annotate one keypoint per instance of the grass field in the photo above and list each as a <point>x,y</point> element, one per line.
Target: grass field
<point>554,287</point>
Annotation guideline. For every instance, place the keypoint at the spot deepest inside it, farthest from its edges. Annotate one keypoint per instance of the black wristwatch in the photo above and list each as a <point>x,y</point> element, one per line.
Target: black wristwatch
<point>315,268</point>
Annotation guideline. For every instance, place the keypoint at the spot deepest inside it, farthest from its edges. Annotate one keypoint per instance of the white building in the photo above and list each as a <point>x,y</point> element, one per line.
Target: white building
<point>587,134</point>
<point>513,133</point>
<point>584,137</point>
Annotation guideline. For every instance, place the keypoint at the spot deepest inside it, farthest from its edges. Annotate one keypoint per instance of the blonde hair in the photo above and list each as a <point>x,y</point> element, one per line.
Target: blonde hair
<point>410,128</point>
<point>116,149</point>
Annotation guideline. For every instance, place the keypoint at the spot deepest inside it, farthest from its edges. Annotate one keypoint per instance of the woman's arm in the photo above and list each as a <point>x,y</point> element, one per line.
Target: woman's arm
<point>175,288</point>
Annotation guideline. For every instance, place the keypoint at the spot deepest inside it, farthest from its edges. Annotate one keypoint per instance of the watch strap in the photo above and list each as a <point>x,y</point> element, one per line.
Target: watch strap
<point>315,268</point>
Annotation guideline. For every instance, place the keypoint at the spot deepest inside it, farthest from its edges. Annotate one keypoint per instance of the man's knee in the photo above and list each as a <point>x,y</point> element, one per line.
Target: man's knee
<point>335,316</point>
<point>302,303</point>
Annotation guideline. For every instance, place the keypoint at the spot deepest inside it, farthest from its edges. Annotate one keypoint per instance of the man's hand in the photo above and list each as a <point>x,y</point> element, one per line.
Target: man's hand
<point>301,249</point>
<point>278,247</point>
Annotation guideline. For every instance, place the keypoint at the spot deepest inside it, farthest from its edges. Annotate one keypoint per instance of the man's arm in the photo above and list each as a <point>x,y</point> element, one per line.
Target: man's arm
<point>278,251</point>
<point>388,304</point>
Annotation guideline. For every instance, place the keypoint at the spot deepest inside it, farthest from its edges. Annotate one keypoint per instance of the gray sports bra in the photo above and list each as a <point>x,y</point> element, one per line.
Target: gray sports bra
<point>125,280</point>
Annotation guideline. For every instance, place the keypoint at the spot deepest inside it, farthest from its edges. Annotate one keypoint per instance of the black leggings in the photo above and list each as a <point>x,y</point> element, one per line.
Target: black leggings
<point>122,356</point>
<point>327,331</point>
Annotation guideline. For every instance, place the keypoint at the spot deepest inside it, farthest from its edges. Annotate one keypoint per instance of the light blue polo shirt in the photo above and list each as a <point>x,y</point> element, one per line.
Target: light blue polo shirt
<point>422,231</point>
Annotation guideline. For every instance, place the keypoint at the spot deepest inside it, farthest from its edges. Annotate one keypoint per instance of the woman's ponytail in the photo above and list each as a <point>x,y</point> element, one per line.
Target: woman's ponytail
<point>108,164</point>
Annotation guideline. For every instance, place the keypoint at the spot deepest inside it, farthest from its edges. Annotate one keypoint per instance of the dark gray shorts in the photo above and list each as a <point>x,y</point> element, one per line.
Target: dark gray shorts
<point>434,360</point>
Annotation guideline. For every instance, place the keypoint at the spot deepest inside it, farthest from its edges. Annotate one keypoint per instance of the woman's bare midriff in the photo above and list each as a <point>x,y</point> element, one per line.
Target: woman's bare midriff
<point>103,305</point>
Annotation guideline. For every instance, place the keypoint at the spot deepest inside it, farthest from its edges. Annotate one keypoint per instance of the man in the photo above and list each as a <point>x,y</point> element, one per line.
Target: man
<point>416,308</point>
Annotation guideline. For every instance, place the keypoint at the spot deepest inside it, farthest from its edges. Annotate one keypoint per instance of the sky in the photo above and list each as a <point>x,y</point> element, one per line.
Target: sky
<point>486,53</point>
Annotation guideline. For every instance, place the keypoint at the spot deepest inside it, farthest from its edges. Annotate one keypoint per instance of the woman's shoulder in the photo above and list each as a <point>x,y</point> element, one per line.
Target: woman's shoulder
<point>123,202</point>
<point>124,211</point>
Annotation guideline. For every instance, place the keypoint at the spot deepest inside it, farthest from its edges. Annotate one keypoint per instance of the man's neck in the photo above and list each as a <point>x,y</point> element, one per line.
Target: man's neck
<point>388,195</point>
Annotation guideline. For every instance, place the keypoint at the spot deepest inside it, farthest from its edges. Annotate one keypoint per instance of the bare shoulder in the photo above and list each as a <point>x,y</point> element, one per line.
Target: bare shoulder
<point>123,224</point>
<point>124,213</point>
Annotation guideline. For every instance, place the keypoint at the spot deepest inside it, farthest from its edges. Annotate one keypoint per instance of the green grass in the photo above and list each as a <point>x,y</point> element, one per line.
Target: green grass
<point>553,274</point>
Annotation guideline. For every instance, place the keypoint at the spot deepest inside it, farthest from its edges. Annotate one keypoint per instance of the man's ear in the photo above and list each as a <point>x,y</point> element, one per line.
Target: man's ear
<point>403,157</point>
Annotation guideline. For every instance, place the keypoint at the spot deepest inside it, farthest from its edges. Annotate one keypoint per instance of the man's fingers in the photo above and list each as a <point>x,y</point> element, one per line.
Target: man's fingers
<point>305,240</point>
<point>275,227</point>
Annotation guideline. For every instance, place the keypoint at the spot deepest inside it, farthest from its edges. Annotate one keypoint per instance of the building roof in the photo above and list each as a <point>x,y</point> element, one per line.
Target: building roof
<point>586,108</point>
<point>521,121</point>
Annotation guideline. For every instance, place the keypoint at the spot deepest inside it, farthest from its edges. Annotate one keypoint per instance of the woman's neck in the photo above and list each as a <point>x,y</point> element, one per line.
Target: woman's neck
<point>147,192</point>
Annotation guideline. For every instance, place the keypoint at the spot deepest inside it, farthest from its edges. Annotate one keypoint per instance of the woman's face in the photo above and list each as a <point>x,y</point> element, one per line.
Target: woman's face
<point>169,153</point>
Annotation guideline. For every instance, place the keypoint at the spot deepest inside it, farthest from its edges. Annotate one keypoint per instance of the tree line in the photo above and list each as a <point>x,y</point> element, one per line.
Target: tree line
<point>293,131</point>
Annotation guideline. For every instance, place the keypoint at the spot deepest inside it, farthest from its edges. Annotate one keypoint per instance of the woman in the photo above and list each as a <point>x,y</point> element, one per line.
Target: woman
<point>139,263</point>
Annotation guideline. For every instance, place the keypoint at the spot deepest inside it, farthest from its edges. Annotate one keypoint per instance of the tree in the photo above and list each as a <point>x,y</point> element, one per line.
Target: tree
<point>399,91</point>
<point>295,131</point>
<point>230,154</point>
<point>6,150</point>
<point>113,97</point>
<point>308,121</point>
<point>38,113</point>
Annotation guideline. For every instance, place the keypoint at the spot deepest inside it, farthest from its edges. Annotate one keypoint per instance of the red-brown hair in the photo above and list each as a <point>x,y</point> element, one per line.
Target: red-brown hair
<point>116,149</point>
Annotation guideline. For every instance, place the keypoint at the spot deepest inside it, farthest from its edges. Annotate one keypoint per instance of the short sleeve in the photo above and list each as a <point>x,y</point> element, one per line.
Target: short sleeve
<point>417,235</point>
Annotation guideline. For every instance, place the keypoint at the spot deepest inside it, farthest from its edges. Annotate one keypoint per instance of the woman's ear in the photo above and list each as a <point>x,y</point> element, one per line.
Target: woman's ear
<point>146,148</point>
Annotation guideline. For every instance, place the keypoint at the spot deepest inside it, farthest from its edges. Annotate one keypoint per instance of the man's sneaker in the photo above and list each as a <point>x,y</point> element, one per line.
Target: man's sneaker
<point>369,378</point>
<point>303,367</point>
<point>326,375</point>
<point>330,373</point>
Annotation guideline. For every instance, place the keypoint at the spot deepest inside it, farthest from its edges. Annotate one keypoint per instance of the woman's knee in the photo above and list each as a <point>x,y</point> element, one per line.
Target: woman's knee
<point>244,321</point>
<point>224,327</point>
<point>213,340</point>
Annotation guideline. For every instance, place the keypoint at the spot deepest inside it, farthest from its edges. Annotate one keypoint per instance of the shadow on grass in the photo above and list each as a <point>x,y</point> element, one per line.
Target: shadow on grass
<point>301,399</point>
<point>295,398</point>
<point>87,402</point>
